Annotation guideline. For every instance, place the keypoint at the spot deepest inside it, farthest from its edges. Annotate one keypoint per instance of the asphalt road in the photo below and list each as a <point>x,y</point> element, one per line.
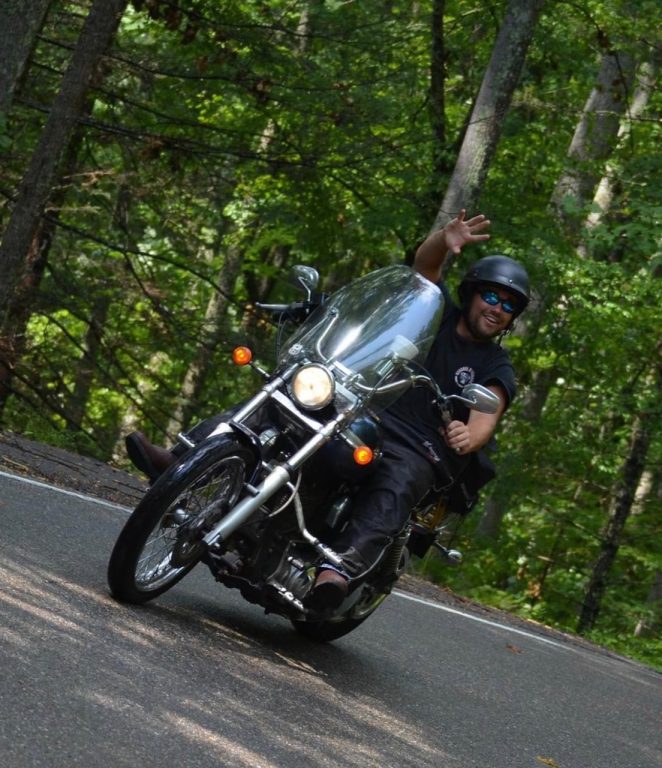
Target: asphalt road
<point>200,678</point>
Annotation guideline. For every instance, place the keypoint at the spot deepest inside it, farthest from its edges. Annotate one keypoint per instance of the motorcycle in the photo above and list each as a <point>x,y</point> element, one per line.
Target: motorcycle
<point>257,499</point>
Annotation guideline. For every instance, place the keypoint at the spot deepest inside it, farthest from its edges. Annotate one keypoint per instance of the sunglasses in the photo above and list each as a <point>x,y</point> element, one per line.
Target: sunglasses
<point>492,298</point>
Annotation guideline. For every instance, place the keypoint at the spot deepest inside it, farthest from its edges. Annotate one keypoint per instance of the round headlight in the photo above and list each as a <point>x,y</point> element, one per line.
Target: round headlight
<point>312,387</point>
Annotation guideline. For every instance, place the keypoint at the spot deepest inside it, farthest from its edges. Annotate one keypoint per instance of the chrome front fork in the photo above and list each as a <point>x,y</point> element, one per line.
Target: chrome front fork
<point>277,478</point>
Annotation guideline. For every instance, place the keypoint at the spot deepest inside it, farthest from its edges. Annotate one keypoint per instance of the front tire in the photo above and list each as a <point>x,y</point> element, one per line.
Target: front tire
<point>162,539</point>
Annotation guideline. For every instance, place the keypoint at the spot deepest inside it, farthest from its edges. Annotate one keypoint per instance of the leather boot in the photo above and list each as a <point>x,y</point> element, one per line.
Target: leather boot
<point>329,590</point>
<point>148,458</point>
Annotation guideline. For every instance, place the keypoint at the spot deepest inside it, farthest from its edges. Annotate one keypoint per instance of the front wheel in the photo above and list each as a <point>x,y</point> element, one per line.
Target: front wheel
<point>162,539</point>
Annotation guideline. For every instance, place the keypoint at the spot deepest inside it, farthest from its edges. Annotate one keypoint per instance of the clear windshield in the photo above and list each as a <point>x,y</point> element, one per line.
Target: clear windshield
<point>391,311</point>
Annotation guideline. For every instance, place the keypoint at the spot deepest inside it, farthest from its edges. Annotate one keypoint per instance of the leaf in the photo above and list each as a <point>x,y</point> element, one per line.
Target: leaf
<point>513,648</point>
<point>548,761</point>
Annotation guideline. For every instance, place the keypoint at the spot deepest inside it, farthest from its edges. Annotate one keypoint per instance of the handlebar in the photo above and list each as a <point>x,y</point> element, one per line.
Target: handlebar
<point>295,312</point>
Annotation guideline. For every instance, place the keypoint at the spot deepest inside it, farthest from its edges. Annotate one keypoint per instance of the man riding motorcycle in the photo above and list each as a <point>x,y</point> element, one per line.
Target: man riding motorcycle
<point>420,451</point>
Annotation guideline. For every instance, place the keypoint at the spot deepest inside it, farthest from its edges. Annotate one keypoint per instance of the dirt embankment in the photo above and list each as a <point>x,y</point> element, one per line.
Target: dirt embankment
<point>21,456</point>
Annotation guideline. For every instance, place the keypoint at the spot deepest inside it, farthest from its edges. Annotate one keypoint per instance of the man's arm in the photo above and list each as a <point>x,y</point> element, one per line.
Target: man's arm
<point>467,438</point>
<point>431,254</point>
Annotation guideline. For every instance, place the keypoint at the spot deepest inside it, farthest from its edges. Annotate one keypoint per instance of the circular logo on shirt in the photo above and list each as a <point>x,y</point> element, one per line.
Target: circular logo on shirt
<point>464,376</point>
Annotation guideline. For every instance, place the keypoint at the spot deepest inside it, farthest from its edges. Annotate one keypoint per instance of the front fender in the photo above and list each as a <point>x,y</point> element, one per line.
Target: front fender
<point>222,442</point>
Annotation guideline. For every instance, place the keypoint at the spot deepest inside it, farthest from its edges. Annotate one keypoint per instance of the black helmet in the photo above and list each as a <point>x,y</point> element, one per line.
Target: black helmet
<point>502,271</point>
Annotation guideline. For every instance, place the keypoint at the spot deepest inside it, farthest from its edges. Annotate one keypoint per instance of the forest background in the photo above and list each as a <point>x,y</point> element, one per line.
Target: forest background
<point>164,162</point>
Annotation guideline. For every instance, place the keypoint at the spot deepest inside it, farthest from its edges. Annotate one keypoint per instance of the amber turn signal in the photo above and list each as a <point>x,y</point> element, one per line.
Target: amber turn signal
<point>241,355</point>
<point>363,455</point>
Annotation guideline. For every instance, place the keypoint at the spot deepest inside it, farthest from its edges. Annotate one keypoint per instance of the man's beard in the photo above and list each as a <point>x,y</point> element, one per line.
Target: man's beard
<point>475,330</point>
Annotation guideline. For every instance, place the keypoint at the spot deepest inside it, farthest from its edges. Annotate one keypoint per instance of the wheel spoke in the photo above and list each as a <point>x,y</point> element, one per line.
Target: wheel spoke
<point>217,488</point>
<point>159,549</point>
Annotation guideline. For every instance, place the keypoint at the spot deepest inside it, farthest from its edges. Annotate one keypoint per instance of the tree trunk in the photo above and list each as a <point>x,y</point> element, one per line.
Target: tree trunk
<point>650,625</point>
<point>494,97</point>
<point>35,188</point>
<point>20,21</point>
<point>76,404</point>
<point>12,335</point>
<point>212,334</point>
<point>489,524</point>
<point>650,491</point>
<point>604,194</point>
<point>438,103</point>
<point>134,417</point>
<point>623,496</point>
<point>594,137</point>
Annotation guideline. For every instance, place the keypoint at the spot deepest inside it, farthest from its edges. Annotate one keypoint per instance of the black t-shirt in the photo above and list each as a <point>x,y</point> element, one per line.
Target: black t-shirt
<point>453,362</point>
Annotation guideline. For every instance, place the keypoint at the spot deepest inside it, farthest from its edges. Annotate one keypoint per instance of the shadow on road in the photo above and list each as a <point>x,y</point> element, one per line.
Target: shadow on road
<point>99,683</point>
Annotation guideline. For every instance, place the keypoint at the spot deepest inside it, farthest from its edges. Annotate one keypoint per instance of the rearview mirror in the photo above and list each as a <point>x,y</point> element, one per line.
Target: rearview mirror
<point>304,277</point>
<point>480,398</point>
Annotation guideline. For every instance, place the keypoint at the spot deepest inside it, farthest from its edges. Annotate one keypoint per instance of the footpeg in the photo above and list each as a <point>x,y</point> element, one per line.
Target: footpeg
<point>451,556</point>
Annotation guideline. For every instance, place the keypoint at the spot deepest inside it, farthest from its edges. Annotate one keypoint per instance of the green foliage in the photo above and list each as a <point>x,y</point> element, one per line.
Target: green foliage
<point>225,141</point>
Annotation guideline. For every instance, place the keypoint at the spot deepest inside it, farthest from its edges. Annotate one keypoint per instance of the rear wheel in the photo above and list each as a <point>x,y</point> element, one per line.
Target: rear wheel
<point>162,540</point>
<point>333,628</point>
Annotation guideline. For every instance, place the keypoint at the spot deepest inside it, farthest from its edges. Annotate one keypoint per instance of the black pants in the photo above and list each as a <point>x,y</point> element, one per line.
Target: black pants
<point>381,508</point>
